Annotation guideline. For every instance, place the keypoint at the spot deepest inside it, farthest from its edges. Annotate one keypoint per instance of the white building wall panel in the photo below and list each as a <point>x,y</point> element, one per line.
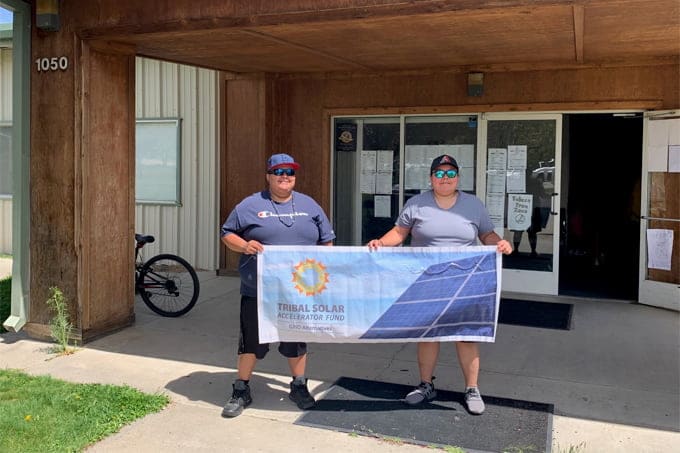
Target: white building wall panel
<point>6,85</point>
<point>6,119</point>
<point>6,226</point>
<point>168,90</point>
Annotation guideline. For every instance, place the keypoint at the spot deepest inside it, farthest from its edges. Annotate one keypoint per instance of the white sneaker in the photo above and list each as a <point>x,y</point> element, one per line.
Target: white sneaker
<point>474,401</point>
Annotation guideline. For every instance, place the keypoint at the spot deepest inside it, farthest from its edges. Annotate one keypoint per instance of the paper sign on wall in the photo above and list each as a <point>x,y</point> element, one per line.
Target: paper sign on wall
<point>519,211</point>
<point>659,249</point>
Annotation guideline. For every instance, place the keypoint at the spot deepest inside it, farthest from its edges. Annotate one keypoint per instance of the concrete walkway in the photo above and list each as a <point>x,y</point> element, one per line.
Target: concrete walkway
<point>614,378</point>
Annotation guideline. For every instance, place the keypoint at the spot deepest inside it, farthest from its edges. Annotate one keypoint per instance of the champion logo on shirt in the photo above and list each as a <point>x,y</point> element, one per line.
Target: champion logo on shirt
<point>265,214</point>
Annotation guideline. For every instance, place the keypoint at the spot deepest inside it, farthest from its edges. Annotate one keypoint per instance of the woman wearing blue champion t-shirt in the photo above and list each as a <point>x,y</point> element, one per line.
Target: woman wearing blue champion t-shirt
<point>442,217</point>
<point>275,216</point>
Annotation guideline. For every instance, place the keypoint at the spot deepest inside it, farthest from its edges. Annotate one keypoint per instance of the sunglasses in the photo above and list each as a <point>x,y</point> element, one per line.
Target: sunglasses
<point>439,174</point>
<point>282,171</point>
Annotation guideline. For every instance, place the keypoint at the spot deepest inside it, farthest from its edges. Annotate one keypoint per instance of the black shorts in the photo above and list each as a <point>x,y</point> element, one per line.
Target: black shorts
<point>249,342</point>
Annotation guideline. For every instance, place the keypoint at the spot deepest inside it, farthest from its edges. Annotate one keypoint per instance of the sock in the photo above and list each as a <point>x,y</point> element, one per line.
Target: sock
<point>237,384</point>
<point>299,380</point>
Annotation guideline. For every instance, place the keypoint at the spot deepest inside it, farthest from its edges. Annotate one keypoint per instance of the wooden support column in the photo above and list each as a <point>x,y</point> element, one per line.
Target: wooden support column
<point>247,117</point>
<point>105,189</point>
<point>82,184</point>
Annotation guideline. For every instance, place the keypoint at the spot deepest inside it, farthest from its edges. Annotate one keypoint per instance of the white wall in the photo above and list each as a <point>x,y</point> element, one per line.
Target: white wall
<point>5,118</point>
<point>168,90</point>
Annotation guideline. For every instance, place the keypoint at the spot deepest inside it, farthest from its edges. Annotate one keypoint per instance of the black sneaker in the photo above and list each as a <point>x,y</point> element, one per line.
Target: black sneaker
<point>239,400</point>
<point>424,392</point>
<point>299,394</point>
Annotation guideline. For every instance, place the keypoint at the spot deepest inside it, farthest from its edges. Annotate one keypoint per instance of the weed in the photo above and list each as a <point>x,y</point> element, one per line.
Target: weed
<point>60,324</point>
<point>453,449</point>
<point>392,440</point>
<point>521,449</point>
<point>572,448</point>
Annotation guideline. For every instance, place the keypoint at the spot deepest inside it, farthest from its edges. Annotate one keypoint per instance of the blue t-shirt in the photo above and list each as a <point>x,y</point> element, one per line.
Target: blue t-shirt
<point>299,221</point>
<point>432,226</point>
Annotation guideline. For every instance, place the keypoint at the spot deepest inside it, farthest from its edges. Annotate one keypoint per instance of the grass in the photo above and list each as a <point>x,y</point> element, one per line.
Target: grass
<point>5,300</point>
<point>453,449</point>
<point>43,414</point>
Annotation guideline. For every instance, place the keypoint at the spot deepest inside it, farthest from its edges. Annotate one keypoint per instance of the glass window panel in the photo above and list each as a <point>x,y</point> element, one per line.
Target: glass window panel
<point>345,161</point>
<point>664,214</point>
<point>367,166</point>
<point>380,207</point>
<point>158,161</point>
<point>529,185</point>
<point>366,153</point>
<point>427,137</point>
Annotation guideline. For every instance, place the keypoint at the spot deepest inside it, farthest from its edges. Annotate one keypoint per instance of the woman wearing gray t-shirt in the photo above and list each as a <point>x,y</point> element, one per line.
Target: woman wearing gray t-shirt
<point>443,217</point>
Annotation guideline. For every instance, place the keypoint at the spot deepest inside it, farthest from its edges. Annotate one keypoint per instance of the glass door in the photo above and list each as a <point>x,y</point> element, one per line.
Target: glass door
<point>522,195</point>
<point>366,177</point>
<point>381,162</point>
<point>660,225</point>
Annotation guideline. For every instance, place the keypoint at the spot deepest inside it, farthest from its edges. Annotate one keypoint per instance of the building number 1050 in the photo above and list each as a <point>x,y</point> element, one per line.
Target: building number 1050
<point>51,64</point>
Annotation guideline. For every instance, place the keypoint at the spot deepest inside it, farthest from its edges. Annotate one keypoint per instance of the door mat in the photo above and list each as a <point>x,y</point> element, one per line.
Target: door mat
<point>377,409</point>
<point>531,313</point>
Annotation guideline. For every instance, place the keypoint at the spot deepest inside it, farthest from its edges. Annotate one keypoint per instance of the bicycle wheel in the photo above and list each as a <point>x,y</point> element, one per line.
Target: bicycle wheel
<point>168,285</point>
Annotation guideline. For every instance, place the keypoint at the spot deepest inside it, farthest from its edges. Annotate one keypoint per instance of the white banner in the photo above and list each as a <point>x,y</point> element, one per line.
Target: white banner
<point>395,294</point>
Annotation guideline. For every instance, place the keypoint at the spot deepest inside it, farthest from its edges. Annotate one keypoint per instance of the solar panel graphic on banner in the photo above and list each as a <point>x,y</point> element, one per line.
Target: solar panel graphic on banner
<point>452,298</point>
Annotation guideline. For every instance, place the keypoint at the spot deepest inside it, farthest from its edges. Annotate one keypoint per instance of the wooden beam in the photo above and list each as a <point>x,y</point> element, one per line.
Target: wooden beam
<point>305,49</point>
<point>635,105</point>
<point>579,19</point>
<point>492,68</point>
<point>112,47</point>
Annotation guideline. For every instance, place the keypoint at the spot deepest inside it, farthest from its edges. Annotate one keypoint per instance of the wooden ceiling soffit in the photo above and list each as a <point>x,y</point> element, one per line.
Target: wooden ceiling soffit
<point>290,48</point>
<point>237,51</point>
<point>436,35</point>
<point>579,18</point>
<point>307,49</point>
<point>339,14</point>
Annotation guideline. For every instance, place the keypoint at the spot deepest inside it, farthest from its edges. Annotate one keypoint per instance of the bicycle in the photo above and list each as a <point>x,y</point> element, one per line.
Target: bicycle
<point>167,283</point>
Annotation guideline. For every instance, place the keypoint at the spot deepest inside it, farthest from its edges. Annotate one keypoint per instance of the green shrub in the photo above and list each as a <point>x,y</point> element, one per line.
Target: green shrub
<point>5,300</point>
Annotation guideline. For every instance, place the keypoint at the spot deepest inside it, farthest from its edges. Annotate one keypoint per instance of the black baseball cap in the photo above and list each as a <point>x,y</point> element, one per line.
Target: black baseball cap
<point>444,159</point>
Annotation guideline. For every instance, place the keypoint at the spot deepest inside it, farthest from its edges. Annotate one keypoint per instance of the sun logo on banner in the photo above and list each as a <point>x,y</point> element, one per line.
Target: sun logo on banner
<point>310,277</point>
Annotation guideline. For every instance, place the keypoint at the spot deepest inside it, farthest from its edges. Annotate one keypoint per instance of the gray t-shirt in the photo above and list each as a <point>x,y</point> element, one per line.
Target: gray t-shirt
<point>432,226</point>
<point>299,221</point>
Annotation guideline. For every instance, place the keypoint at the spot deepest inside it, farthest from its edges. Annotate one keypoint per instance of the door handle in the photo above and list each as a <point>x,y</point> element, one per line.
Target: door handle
<point>552,203</point>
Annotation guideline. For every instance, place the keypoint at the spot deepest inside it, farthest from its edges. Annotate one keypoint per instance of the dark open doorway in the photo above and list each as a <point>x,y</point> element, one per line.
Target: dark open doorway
<point>600,238</point>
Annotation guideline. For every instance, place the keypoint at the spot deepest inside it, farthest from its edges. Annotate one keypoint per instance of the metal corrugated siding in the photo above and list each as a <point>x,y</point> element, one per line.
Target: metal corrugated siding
<point>168,90</point>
